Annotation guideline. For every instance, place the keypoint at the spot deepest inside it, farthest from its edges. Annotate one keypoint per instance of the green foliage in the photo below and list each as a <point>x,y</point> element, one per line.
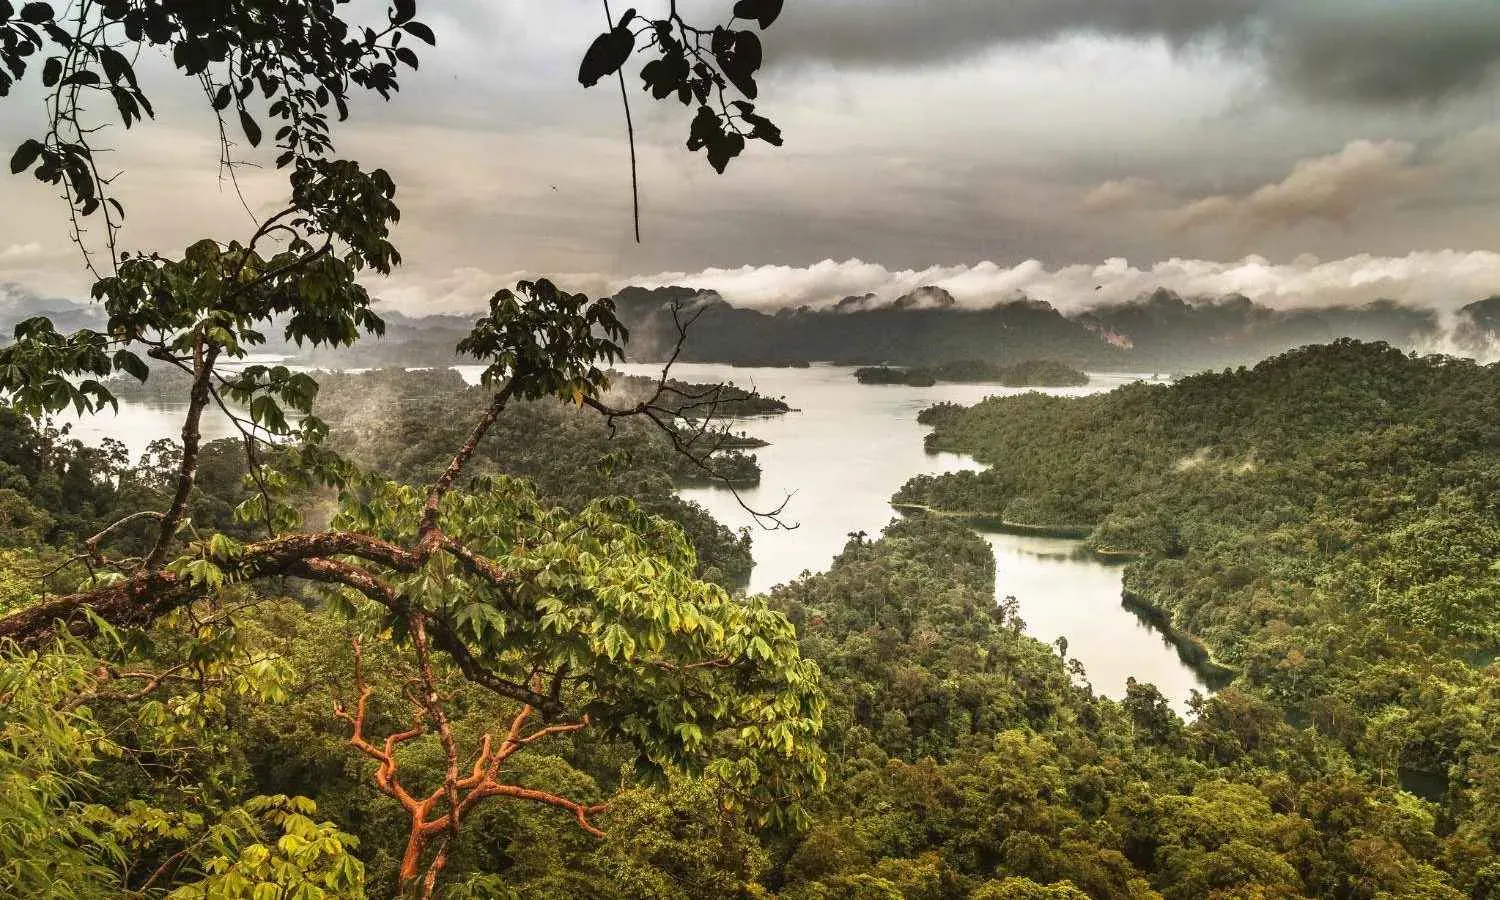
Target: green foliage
<point>404,425</point>
<point>51,843</point>
<point>278,851</point>
<point>1325,523</point>
<point>679,844</point>
<point>662,661</point>
<point>965,756</point>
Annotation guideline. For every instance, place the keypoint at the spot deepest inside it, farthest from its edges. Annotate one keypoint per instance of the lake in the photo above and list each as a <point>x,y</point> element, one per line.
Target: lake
<point>836,461</point>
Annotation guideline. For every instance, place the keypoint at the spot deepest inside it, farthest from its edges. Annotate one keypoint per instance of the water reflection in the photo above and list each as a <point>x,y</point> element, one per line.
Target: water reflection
<point>1064,591</point>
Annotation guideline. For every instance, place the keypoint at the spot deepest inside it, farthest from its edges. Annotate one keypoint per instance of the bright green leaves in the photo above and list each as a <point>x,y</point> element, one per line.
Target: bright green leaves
<point>672,666</point>
<point>268,391</point>
<point>43,372</point>
<point>271,848</point>
<point>545,341</point>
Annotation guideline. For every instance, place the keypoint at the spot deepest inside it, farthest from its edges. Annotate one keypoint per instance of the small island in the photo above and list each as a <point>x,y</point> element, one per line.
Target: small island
<point>1028,373</point>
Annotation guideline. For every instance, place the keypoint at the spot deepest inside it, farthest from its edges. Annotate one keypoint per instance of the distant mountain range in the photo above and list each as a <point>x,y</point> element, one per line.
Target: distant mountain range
<point>1161,331</point>
<point>1157,332</point>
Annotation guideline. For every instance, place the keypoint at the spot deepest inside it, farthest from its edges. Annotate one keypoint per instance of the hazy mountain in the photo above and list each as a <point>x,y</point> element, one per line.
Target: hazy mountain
<point>18,303</point>
<point>920,328</point>
<point>1168,331</point>
<point>1161,331</point>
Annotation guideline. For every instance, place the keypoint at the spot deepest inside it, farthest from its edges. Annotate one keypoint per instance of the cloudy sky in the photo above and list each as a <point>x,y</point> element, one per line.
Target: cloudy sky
<point>1070,149</point>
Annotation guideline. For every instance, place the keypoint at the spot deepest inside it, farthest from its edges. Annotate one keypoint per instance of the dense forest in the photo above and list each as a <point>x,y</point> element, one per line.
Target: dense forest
<point>1027,373</point>
<point>1324,524</point>
<point>965,759</point>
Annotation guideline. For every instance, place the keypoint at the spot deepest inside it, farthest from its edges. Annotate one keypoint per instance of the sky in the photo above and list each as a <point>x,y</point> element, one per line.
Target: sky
<point>1071,150</point>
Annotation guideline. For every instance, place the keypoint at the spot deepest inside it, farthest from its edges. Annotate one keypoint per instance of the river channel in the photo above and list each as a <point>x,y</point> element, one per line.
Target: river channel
<point>840,456</point>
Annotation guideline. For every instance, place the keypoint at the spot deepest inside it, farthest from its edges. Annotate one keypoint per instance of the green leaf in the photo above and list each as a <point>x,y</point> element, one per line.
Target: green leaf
<point>132,365</point>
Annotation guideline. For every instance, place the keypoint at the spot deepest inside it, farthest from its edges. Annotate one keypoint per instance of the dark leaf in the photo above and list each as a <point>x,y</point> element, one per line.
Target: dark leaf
<point>403,10</point>
<point>420,31</point>
<point>740,60</point>
<point>252,130</point>
<point>116,67</point>
<point>222,96</point>
<point>51,71</point>
<point>605,56</point>
<point>723,149</point>
<point>36,13</point>
<point>25,156</point>
<point>764,12</point>
<point>131,364</point>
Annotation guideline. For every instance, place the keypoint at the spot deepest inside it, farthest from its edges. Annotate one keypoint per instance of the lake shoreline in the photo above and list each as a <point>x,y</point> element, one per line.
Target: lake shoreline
<point>1193,651</point>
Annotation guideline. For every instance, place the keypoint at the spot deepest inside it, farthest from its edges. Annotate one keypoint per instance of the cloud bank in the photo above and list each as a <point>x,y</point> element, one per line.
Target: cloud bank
<point>1443,280</point>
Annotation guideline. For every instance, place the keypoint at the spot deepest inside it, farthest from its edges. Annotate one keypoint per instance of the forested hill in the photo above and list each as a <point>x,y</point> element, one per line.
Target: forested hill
<point>969,762</point>
<point>1160,332</point>
<point>1327,523</point>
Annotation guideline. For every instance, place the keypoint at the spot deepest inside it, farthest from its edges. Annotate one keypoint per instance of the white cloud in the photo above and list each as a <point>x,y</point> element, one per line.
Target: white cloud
<point>1443,279</point>
<point>21,252</point>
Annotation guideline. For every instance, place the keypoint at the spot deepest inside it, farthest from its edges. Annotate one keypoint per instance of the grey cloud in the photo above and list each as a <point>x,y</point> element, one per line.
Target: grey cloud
<point>1360,51</point>
<point>1392,52</point>
<point>902,33</point>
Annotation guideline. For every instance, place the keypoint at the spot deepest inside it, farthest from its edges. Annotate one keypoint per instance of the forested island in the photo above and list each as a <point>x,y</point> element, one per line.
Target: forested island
<point>1028,373</point>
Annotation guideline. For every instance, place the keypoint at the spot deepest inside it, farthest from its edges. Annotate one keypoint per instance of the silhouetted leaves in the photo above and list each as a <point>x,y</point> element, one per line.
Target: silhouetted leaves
<point>606,55</point>
<point>252,130</point>
<point>764,12</point>
<point>25,155</point>
<point>698,66</point>
<point>420,32</point>
<point>300,57</point>
<point>739,56</point>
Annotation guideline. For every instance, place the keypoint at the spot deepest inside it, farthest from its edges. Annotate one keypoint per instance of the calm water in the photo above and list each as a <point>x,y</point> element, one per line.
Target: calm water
<point>836,461</point>
<point>847,449</point>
